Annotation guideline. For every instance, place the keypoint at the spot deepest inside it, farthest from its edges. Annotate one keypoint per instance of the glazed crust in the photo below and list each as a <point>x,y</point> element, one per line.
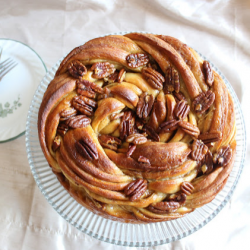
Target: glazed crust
<point>149,141</point>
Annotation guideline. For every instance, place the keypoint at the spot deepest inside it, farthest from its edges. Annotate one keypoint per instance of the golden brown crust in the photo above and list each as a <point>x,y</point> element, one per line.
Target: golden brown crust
<point>120,135</point>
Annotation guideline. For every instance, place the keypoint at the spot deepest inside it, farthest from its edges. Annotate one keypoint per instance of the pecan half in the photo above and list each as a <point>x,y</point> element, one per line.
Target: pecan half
<point>208,72</point>
<point>109,142</point>
<point>189,128</point>
<point>210,137</point>
<point>121,75</point>
<point>187,188</point>
<point>172,81</point>
<point>179,96</point>
<point>199,150</point>
<point>77,69</point>
<point>143,159</point>
<point>206,164</point>
<point>67,113</point>
<point>203,101</point>
<point>131,149</point>
<point>102,69</point>
<point>56,143</point>
<point>223,156</point>
<point>145,105</point>
<point>87,149</point>
<point>181,110</point>
<point>88,89</point>
<point>137,60</point>
<point>154,78</point>
<point>151,133</point>
<point>168,126</point>
<point>136,139</point>
<point>164,207</point>
<point>62,129</point>
<point>79,121</point>
<point>127,125</point>
<point>85,105</point>
<point>136,189</point>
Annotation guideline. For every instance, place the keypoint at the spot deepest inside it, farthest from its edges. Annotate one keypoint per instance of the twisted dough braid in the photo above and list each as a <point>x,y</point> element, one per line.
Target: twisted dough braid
<point>138,128</point>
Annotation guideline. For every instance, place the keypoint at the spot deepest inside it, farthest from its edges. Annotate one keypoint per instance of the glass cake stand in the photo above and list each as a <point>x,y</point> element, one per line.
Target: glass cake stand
<point>134,235</point>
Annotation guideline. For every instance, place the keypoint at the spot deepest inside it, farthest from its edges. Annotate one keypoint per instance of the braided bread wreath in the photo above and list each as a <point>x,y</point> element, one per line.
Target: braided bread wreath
<point>138,128</point>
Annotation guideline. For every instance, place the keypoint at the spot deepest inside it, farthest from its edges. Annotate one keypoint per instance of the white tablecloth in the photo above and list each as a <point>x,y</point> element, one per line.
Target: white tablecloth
<point>218,29</point>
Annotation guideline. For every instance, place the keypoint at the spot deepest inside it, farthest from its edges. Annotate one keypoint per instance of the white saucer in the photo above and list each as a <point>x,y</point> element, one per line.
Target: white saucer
<point>17,88</point>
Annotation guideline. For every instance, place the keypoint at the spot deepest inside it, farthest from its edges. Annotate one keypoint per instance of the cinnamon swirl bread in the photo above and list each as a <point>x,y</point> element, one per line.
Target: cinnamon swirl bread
<point>138,128</point>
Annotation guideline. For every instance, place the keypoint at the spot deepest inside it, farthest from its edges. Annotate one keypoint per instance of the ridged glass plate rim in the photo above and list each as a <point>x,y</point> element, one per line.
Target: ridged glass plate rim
<point>133,235</point>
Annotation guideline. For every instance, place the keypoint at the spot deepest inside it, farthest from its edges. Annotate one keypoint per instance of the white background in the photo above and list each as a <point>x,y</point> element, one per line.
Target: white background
<point>218,29</point>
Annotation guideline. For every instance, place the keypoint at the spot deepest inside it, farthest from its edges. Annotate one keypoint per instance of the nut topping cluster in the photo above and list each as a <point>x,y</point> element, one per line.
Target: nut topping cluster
<point>133,127</point>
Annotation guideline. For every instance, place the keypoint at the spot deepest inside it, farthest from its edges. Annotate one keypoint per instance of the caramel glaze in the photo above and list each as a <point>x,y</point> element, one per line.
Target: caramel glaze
<point>98,184</point>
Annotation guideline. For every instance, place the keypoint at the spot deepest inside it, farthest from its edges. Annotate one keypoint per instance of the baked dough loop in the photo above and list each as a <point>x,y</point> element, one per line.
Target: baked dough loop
<point>138,128</point>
